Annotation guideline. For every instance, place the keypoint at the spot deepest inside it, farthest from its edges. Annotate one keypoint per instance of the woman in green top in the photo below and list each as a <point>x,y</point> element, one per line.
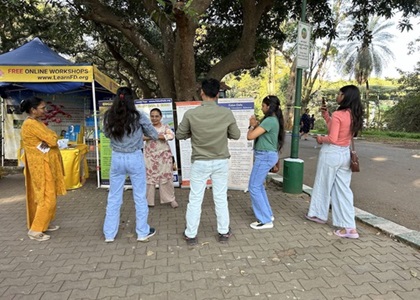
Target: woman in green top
<point>269,139</point>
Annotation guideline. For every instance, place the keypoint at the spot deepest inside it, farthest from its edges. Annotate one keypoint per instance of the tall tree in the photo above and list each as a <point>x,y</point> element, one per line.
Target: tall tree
<point>165,46</point>
<point>362,57</point>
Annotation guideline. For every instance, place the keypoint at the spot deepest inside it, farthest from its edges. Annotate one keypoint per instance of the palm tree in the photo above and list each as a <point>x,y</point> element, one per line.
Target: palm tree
<point>362,57</point>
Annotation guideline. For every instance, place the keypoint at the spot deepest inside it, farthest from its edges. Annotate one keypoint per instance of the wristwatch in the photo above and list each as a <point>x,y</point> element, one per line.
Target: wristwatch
<point>251,127</point>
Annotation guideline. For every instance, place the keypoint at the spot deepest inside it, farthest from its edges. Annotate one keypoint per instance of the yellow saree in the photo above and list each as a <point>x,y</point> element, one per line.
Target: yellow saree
<point>44,175</point>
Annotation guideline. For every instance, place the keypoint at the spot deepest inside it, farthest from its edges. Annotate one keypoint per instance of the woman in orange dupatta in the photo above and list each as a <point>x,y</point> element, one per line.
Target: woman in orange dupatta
<point>44,172</point>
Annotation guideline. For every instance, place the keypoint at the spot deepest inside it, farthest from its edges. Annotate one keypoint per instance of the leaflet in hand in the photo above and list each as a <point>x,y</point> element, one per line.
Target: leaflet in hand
<point>43,150</point>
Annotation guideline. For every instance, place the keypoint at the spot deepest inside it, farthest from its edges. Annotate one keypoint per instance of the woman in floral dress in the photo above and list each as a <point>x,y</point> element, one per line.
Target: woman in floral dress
<point>159,162</point>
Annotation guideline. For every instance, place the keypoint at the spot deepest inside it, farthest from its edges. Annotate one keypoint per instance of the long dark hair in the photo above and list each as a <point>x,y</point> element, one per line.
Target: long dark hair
<point>122,117</point>
<point>27,104</point>
<point>274,109</point>
<point>353,102</point>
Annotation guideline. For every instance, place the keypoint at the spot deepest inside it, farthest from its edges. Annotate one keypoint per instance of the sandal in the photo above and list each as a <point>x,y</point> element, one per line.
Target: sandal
<point>348,233</point>
<point>38,236</point>
<point>315,219</point>
<point>52,228</point>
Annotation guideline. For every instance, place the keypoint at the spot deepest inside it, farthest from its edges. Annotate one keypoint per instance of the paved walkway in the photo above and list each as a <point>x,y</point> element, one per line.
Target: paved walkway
<point>294,260</point>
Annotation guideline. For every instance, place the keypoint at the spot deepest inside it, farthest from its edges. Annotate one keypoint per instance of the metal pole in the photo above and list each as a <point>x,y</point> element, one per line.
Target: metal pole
<point>3,131</point>
<point>293,166</point>
<point>294,152</point>
<point>95,122</point>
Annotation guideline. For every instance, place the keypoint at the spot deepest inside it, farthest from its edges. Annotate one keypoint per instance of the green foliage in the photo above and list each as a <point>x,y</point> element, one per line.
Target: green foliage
<point>124,37</point>
<point>320,125</point>
<point>405,116</point>
<point>246,85</point>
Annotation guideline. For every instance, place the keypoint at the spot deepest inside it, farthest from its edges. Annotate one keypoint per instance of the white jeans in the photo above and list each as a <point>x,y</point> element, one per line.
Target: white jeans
<point>201,170</point>
<point>332,185</point>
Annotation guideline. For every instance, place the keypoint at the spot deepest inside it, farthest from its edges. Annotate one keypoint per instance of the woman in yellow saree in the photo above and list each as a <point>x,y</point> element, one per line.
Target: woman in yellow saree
<point>44,173</point>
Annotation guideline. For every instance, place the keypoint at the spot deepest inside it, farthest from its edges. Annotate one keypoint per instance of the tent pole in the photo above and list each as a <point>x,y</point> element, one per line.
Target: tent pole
<point>2,132</point>
<point>96,134</point>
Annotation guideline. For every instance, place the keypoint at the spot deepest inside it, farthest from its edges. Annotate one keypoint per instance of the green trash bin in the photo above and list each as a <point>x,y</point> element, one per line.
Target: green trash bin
<point>293,175</point>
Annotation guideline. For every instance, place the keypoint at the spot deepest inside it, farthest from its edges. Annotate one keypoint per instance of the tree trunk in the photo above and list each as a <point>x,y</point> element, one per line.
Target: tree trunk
<point>184,62</point>
<point>367,105</point>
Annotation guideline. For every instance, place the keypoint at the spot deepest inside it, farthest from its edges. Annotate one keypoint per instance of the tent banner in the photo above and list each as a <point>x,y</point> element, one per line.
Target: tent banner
<point>105,81</point>
<point>46,73</point>
<point>240,162</point>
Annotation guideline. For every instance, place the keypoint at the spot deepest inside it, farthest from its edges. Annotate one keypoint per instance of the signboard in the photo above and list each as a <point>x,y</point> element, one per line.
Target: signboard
<point>165,105</point>
<point>241,151</point>
<point>303,45</point>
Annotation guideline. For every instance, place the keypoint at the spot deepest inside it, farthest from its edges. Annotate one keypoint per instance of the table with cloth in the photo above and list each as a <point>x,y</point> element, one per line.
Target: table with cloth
<point>75,165</point>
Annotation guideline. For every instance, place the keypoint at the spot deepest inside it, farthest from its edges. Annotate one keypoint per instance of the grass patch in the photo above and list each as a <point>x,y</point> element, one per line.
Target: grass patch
<point>401,139</point>
<point>391,134</point>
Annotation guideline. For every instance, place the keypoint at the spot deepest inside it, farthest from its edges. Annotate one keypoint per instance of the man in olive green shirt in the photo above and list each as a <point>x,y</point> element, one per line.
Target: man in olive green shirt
<point>209,126</point>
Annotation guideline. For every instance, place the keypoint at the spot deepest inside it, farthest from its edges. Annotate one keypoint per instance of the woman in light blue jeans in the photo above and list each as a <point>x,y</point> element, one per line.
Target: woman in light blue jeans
<point>124,125</point>
<point>269,138</point>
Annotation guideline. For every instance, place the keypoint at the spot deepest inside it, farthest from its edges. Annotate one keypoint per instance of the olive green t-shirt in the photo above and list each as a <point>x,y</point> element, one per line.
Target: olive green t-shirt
<point>268,141</point>
<point>209,126</point>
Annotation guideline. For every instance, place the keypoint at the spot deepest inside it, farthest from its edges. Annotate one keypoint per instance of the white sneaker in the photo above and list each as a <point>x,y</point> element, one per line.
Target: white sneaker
<point>152,232</point>
<point>109,240</point>
<point>259,225</point>
<point>272,218</point>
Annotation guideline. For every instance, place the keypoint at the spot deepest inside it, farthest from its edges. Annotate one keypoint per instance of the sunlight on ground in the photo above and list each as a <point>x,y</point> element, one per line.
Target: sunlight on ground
<point>380,158</point>
<point>12,199</point>
<point>416,183</point>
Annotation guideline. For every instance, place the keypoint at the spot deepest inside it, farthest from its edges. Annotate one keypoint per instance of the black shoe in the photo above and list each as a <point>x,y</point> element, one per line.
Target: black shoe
<point>152,232</point>
<point>223,238</point>
<point>190,241</point>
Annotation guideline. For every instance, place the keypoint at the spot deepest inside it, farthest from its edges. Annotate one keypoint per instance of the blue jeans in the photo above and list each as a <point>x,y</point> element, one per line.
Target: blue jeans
<point>332,185</point>
<point>263,162</point>
<point>201,170</point>
<point>123,164</point>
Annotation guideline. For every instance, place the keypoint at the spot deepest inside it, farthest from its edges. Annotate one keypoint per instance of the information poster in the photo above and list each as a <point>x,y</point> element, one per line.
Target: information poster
<point>185,145</point>
<point>165,106</point>
<point>240,163</point>
<point>241,151</point>
<point>105,150</point>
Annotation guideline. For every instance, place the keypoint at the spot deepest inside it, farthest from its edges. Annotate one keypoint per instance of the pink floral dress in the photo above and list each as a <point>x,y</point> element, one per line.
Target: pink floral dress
<point>158,157</point>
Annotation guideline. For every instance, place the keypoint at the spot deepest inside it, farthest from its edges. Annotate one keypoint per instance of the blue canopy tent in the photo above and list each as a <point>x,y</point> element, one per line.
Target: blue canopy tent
<point>36,67</point>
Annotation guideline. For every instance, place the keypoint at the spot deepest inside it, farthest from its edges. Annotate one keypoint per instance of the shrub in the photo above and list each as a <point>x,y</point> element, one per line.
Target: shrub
<point>405,116</point>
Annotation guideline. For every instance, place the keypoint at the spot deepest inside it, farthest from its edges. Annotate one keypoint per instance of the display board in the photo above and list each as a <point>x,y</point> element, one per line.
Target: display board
<point>165,106</point>
<point>145,105</point>
<point>240,162</point>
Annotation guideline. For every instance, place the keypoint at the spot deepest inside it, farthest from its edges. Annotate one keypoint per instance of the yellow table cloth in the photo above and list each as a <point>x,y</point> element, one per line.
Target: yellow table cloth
<point>75,165</point>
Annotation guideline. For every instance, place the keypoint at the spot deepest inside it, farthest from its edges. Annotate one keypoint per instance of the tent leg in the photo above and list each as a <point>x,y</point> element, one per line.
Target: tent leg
<point>96,135</point>
<point>2,132</point>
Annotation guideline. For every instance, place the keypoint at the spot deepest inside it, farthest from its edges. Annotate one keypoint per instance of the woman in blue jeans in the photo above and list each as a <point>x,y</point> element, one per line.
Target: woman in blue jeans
<point>269,139</point>
<point>125,126</point>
